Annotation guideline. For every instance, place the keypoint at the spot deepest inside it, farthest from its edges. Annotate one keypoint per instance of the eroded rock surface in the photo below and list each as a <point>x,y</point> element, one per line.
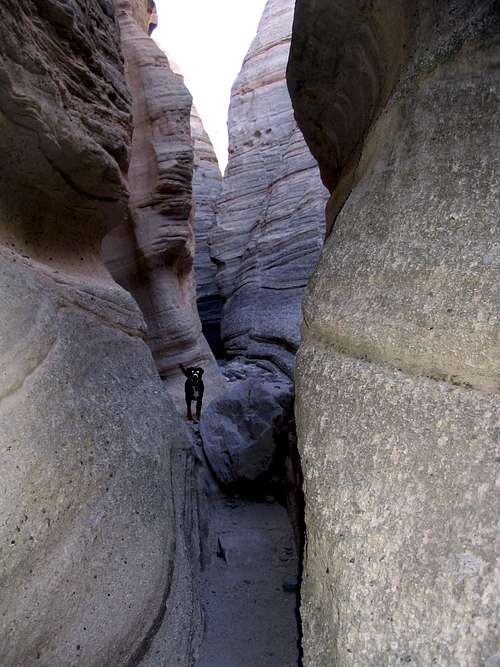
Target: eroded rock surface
<point>207,183</point>
<point>93,550</point>
<point>270,221</point>
<point>152,256</point>
<point>397,379</point>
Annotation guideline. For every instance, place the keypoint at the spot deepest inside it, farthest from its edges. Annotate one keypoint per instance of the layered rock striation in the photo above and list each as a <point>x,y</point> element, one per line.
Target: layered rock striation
<point>94,553</point>
<point>270,219</point>
<point>401,333</point>
<point>152,256</point>
<point>207,184</point>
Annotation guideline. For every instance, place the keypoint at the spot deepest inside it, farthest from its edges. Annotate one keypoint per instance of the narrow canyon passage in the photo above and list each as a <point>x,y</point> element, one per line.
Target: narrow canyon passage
<point>259,229</point>
<point>347,364</point>
<point>248,519</point>
<point>247,588</point>
<point>249,550</point>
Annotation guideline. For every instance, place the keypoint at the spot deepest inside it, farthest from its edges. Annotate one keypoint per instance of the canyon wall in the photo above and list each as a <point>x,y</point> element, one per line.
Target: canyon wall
<point>94,552</point>
<point>207,183</point>
<point>152,256</point>
<point>270,219</point>
<point>398,372</point>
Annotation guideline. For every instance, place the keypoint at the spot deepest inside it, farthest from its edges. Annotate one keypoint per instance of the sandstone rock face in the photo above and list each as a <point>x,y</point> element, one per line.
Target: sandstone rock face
<point>270,221</point>
<point>93,551</point>
<point>397,378</point>
<point>152,257</point>
<point>207,183</point>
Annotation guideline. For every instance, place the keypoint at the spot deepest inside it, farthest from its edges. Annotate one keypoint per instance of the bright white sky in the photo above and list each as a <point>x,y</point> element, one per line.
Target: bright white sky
<point>208,40</point>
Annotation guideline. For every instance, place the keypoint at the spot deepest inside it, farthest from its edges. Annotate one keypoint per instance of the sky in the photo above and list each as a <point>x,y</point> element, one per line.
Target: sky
<point>208,40</point>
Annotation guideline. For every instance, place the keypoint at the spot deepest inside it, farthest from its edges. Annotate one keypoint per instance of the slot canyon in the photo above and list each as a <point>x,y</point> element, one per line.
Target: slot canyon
<point>336,502</point>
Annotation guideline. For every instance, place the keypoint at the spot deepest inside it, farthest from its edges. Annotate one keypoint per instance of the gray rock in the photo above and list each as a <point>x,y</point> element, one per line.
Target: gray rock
<point>107,7</point>
<point>207,183</point>
<point>241,430</point>
<point>397,377</point>
<point>289,585</point>
<point>270,219</point>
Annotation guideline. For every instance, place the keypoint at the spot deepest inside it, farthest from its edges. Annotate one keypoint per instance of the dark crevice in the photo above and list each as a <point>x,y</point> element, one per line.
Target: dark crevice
<point>145,645</point>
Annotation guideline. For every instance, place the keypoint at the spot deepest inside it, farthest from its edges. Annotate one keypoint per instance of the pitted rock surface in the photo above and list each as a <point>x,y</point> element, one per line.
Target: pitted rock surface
<point>397,377</point>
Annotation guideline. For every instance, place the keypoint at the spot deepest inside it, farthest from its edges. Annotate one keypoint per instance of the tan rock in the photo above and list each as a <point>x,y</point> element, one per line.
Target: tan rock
<point>398,375</point>
<point>93,551</point>
<point>152,256</point>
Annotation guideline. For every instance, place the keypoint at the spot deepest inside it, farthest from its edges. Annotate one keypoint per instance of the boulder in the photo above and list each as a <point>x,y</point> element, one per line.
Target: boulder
<point>244,430</point>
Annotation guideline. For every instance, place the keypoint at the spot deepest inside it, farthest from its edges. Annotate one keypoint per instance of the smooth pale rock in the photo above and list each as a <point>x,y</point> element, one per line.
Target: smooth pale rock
<point>398,376</point>
<point>152,256</point>
<point>93,551</point>
<point>270,219</point>
<point>207,183</point>
<point>243,429</point>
